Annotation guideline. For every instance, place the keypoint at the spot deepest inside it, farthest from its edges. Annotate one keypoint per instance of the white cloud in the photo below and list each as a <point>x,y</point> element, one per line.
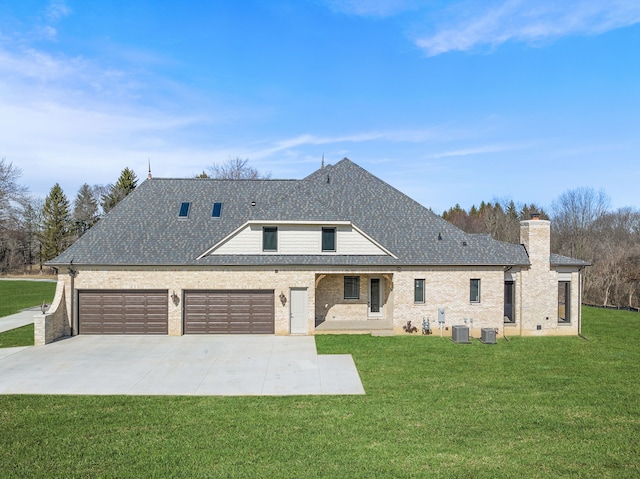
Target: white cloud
<point>478,150</point>
<point>526,21</point>
<point>56,10</point>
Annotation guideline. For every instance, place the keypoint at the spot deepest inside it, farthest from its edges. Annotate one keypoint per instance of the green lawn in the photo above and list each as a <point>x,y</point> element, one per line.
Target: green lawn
<point>530,407</point>
<point>17,337</point>
<point>17,295</point>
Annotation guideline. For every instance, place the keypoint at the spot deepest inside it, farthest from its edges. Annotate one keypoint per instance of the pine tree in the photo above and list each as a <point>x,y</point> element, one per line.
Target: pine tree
<point>55,231</point>
<point>126,183</point>
<point>85,210</point>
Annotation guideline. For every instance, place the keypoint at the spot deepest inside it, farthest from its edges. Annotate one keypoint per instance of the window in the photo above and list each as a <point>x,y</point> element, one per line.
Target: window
<point>328,239</point>
<point>474,293</point>
<point>564,301</point>
<point>184,210</point>
<point>352,287</point>
<point>418,291</point>
<point>270,238</point>
<point>509,303</point>
<point>216,212</point>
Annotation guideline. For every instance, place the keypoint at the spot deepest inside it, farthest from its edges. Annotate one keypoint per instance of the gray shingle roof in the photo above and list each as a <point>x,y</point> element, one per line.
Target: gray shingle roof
<point>144,229</point>
<point>559,260</point>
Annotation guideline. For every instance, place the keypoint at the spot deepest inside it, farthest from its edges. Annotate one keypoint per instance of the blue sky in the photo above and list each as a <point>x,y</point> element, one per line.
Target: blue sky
<point>448,101</point>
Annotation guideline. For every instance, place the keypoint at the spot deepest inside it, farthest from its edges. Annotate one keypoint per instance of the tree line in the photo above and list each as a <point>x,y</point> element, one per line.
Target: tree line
<point>34,230</point>
<point>583,226</point>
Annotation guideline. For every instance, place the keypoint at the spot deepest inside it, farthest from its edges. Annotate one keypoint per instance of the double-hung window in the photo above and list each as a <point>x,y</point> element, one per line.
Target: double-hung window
<point>352,287</point>
<point>270,238</point>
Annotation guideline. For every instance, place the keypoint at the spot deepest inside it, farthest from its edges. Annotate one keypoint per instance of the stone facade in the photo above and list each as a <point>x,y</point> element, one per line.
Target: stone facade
<point>55,323</point>
<point>449,288</point>
<point>538,286</point>
<point>177,280</point>
<point>536,299</point>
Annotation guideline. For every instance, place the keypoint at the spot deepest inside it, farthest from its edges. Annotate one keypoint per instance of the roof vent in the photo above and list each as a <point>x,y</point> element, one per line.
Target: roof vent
<point>328,179</point>
<point>464,243</point>
<point>253,203</point>
<point>439,236</point>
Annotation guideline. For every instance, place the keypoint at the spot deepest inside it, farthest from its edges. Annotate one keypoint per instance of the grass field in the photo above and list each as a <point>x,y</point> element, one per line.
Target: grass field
<point>530,407</point>
<point>17,337</point>
<point>17,295</point>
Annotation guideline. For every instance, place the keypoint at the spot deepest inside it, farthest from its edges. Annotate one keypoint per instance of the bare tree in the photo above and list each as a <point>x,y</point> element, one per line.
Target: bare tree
<point>575,213</point>
<point>13,198</point>
<point>236,169</point>
<point>12,195</point>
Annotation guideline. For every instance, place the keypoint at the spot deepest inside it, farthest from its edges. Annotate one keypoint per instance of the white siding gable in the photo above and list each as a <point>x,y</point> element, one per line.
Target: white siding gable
<point>298,239</point>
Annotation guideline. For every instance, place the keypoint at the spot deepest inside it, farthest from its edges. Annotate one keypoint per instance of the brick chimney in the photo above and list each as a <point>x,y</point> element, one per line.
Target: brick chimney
<point>535,235</point>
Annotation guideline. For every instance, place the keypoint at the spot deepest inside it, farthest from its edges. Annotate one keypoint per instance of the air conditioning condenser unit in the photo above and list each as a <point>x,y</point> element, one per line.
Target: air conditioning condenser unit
<point>488,335</point>
<point>460,334</point>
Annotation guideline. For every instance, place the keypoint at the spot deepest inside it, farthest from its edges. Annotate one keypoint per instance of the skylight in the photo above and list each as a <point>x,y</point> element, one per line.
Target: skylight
<point>217,210</point>
<point>184,210</point>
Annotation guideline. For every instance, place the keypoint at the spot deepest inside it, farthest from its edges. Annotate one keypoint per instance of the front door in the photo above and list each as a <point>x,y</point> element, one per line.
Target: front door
<point>376,297</point>
<point>298,323</point>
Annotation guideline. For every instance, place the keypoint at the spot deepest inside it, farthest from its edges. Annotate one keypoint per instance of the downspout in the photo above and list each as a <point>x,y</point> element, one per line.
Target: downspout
<point>520,315</point>
<point>580,288</point>
<point>73,273</point>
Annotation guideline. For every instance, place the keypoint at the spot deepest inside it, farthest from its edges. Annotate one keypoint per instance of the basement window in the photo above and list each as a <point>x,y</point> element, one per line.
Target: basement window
<point>184,209</point>
<point>216,212</point>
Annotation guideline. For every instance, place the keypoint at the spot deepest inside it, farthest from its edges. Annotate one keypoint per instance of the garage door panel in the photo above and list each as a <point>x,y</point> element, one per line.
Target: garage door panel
<point>123,312</point>
<point>229,311</point>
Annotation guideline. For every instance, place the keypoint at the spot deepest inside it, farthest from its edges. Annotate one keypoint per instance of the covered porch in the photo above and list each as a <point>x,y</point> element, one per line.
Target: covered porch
<point>354,303</point>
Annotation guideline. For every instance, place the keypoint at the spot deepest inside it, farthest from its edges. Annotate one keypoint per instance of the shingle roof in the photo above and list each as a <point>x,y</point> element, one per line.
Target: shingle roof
<point>559,260</point>
<point>144,229</point>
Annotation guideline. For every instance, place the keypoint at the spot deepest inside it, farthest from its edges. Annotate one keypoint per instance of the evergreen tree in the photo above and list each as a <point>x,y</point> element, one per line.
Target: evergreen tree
<point>55,231</point>
<point>85,210</point>
<point>126,183</point>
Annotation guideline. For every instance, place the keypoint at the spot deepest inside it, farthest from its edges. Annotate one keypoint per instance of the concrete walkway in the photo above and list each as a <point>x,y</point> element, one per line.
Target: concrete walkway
<point>215,365</point>
<point>18,320</point>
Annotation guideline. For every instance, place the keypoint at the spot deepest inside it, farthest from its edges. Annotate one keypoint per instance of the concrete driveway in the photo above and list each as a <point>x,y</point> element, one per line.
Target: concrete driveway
<point>204,365</point>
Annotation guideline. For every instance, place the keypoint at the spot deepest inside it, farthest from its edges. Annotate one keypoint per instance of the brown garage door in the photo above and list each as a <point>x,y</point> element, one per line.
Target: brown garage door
<point>123,312</point>
<point>228,311</point>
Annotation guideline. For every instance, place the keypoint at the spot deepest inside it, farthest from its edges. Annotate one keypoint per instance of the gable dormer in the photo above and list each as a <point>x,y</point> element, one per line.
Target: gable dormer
<point>298,238</point>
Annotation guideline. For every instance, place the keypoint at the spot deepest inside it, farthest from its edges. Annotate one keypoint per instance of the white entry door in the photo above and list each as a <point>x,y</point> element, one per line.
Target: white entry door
<point>376,297</point>
<point>298,321</point>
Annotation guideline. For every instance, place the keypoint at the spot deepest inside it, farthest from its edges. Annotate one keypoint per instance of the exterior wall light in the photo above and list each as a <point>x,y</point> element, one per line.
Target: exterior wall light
<point>283,298</point>
<point>175,298</point>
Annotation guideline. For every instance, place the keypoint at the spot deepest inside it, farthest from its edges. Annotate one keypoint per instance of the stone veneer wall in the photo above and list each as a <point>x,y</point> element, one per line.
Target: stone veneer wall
<point>177,280</point>
<point>331,305</point>
<point>449,288</point>
<point>538,290</point>
<point>55,323</point>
